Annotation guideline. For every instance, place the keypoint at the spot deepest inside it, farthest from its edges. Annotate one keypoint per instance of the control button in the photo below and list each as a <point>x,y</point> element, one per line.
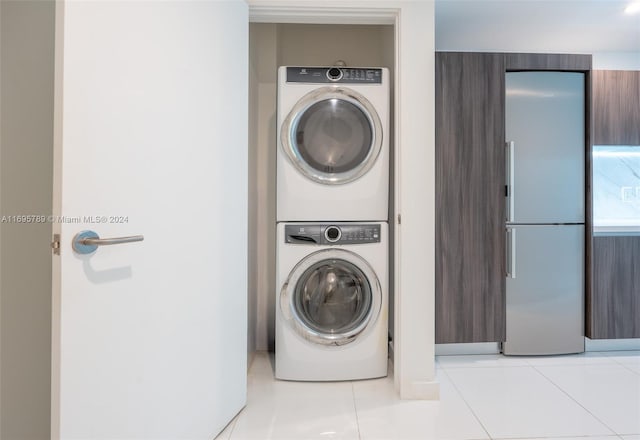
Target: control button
<point>332,234</point>
<point>334,74</point>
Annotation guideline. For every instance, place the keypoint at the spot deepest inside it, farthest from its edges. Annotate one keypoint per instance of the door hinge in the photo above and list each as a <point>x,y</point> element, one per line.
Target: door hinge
<point>55,244</point>
<point>399,219</point>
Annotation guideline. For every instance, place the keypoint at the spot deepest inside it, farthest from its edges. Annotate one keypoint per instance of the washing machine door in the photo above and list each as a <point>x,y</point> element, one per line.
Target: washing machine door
<point>333,135</point>
<point>331,297</point>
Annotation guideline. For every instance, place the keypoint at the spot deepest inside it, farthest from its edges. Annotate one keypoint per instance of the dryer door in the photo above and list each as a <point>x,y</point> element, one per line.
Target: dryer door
<point>331,297</point>
<point>333,135</point>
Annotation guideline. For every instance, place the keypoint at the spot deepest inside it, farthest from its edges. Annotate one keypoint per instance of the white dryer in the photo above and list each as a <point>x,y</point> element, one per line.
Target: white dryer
<point>331,301</point>
<point>333,144</point>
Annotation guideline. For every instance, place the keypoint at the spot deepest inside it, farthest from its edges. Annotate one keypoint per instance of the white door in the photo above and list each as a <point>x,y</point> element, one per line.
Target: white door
<point>149,338</point>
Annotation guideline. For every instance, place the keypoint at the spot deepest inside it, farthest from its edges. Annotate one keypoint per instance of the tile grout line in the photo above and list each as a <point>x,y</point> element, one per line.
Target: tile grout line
<point>629,368</point>
<point>613,436</point>
<point>232,425</point>
<point>579,404</point>
<point>616,362</point>
<point>235,421</point>
<point>355,408</point>
<point>612,362</point>
<point>465,401</point>
<point>625,366</point>
<point>479,367</point>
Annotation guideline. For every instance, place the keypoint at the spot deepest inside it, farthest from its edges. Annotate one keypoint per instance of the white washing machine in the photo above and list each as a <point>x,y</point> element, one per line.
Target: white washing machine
<point>331,301</point>
<point>333,144</point>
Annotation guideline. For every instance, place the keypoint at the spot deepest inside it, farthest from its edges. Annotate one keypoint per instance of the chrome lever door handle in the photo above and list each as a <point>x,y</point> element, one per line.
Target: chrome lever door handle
<point>86,242</point>
<point>110,241</point>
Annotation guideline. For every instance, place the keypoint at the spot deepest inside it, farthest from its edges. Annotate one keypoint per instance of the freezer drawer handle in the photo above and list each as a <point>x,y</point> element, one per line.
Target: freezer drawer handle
<point>511,253</point>
<point>86,242</point>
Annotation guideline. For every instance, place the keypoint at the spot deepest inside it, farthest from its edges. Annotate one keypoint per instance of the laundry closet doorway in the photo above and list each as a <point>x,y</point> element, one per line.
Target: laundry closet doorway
<point>358,34</point>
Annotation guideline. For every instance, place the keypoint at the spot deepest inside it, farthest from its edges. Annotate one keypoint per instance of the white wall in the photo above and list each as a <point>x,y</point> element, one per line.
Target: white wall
<point>322,44</point>
<point>415,202</point>
<point>616,61</point>
<point>536,26</point>
<point>26,155</point>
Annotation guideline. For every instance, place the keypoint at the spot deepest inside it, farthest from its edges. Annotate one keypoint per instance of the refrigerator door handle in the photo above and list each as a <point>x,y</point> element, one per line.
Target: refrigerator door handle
<point>511,253</point>
<point>510,179</point>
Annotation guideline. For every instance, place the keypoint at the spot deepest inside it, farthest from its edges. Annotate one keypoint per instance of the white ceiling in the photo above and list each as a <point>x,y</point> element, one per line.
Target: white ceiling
<point>577,26</point>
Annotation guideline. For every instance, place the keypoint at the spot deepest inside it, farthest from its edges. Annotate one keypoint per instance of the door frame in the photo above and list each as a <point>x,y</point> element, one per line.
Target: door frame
<point>413,219</point>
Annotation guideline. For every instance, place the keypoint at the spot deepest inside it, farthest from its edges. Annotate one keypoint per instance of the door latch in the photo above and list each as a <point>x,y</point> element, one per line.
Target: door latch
<point>55,244</point>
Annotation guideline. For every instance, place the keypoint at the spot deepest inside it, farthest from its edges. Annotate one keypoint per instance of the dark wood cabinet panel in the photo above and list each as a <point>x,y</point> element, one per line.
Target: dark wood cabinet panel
<point>547,61</point>
<point>470,176</point>
<point>615,301</point>
<point>616,107</point>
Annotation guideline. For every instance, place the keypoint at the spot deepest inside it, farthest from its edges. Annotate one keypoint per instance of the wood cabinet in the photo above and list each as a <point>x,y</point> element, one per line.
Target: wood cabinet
<point>470,188</point>
<point>613,304</point>
<point>548,61</point>
<point>614,307</point>
<point>616,107</point>
<point>470,176</point>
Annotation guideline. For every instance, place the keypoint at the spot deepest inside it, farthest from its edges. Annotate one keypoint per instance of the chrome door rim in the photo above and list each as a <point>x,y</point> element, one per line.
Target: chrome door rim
<point>324,93</point>
<point>290,313</point>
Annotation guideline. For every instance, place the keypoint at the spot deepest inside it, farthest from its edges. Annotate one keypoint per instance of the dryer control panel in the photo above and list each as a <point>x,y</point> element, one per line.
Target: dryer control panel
<point>340,75</point>
<point>327,234</point>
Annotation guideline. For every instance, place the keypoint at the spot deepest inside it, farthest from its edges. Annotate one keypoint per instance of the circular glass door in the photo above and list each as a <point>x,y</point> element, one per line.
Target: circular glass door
<point>332,135</point>
<point>331,297</point>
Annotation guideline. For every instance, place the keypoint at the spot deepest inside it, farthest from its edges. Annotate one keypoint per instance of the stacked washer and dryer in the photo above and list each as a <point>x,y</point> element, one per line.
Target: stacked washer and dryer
<point>332,232</point>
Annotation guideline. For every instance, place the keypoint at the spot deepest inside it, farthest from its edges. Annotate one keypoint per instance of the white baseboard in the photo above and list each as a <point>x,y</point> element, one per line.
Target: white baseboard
<point>460,349</point>
<point>611,344</point>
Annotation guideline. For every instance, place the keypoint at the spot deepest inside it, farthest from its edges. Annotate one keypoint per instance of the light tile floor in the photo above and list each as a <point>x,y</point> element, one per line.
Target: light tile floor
<point>592,396</point>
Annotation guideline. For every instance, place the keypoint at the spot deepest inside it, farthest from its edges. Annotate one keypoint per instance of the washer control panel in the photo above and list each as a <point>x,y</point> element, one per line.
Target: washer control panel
<point>327,234</point>
<point>340,75</point>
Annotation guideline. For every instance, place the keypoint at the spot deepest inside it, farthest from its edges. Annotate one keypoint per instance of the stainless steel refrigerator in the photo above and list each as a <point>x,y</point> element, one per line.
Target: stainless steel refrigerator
<point>545,117</point>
